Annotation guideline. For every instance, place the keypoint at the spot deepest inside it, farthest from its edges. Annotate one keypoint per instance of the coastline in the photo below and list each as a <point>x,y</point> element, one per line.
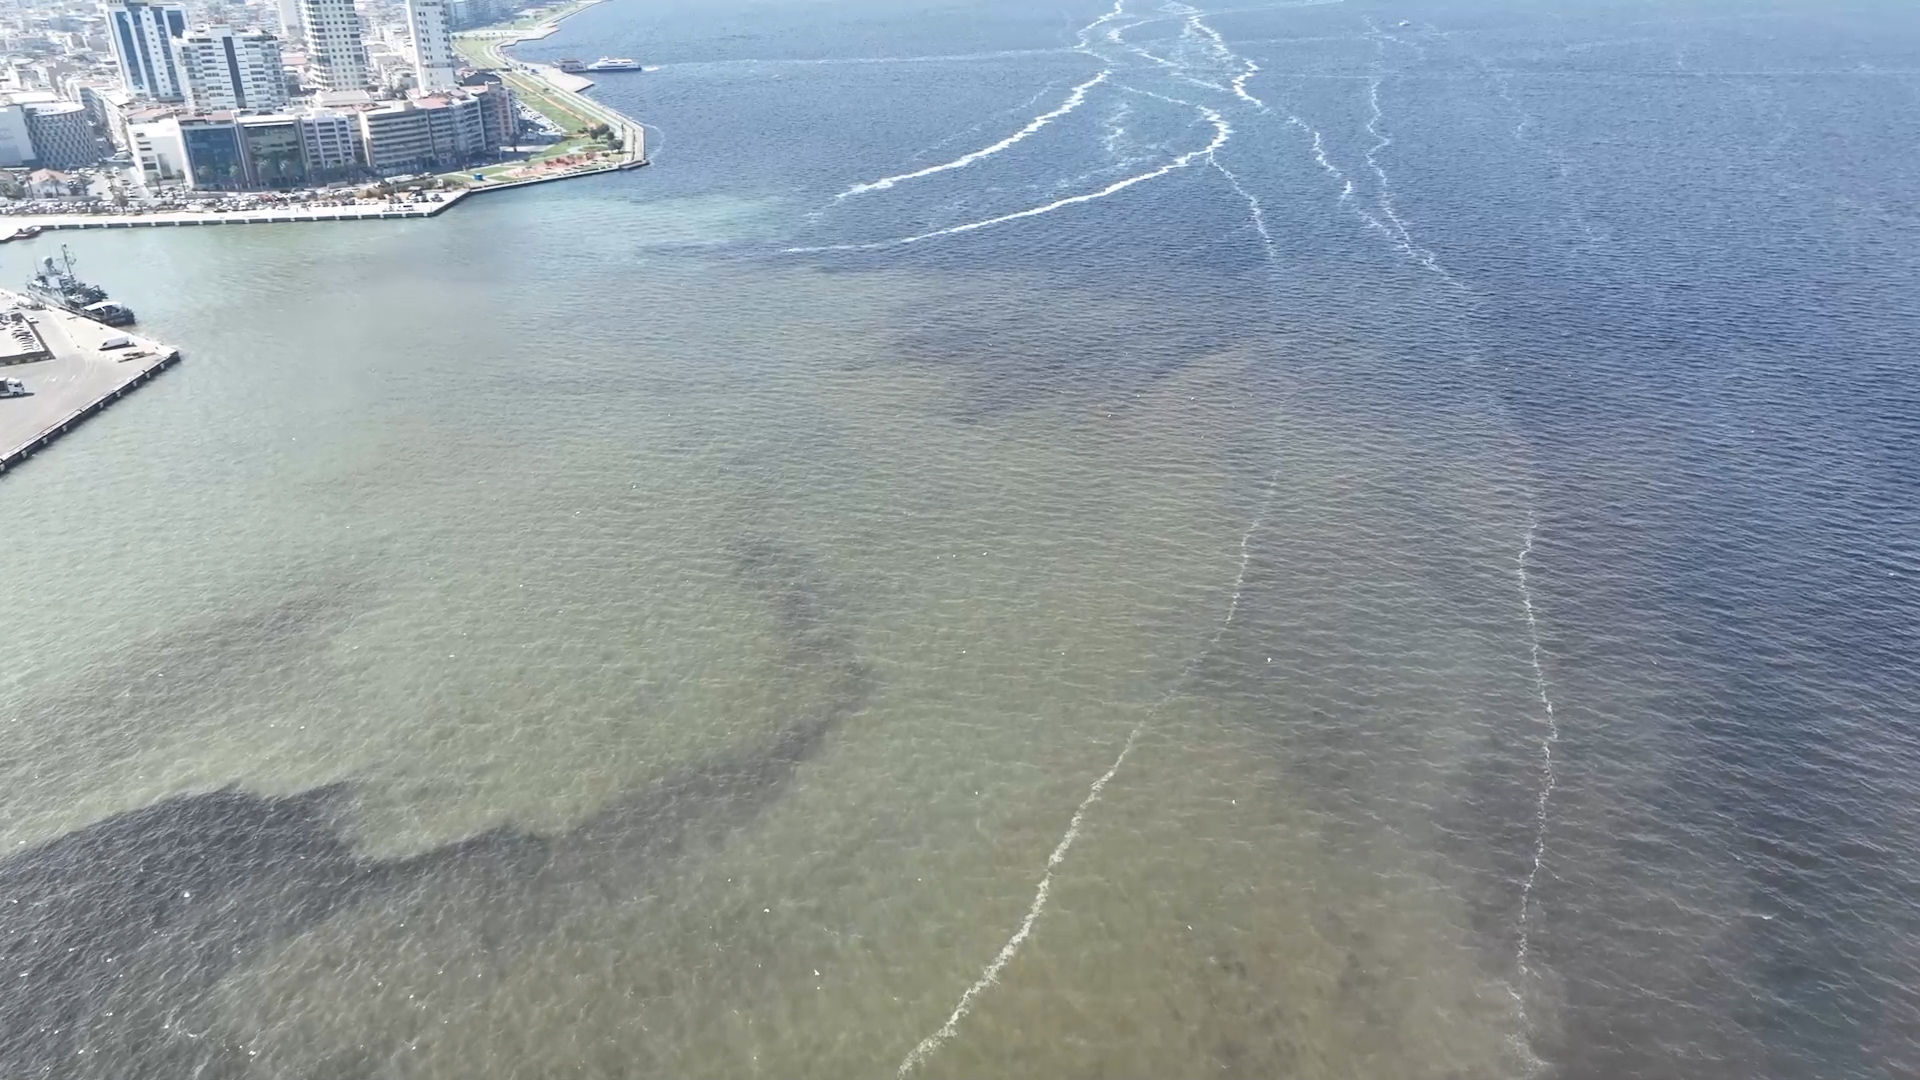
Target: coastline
<point>486,48</point>
<point>539,82</point>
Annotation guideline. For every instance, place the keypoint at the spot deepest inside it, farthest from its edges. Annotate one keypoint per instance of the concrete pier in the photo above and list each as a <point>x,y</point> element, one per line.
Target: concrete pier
<point>69,375</point>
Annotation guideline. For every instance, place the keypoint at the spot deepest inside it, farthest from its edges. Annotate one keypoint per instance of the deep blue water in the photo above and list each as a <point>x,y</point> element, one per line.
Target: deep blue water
<point>1674,247</point>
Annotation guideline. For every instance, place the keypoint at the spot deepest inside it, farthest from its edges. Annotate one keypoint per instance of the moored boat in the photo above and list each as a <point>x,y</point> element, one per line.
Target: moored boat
<point>54,283</point>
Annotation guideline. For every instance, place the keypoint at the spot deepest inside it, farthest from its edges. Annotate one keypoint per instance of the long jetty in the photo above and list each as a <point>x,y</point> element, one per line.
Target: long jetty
<point>72,367</point>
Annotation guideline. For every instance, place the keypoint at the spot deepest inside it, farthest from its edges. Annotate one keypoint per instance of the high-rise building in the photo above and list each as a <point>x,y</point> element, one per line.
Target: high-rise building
<point>156,144</point>
<point>292,26</point>
<point>336,54</point>
<point>434,64</point>
<point>216,153</point>
<point>145,39</point>
<point>497,105</point>
<point>330,142</point>
<point>16,142</point>
<point>434,131</point>
<point>62,136</point>
<point>275,158</point>
<point>229,69</point>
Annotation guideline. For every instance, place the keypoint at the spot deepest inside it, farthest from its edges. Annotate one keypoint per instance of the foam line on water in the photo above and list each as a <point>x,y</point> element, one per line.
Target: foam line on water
<point>1197,25</point>
<point>1254,210</point>
<point>1243,9</point>
<point>1246,560</point>
<point>1240,85</point>
<point>1114,36</point>
<point>1398,232</point>
<point>835,61</point>
<point>1550,737</point>
<point>990,976</point>
<point>1385,195</point>
<point>1222,133</point>
<point>1074,100</point>
<point>1070,182</point>
<point>1522,134</point>
<point>1114,127</point>
<point>1318,148</point>
<point>974,129</point>
<point>1083,39</point>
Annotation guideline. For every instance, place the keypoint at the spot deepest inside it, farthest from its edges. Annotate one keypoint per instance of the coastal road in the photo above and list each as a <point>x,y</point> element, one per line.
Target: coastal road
<point>488,49</point>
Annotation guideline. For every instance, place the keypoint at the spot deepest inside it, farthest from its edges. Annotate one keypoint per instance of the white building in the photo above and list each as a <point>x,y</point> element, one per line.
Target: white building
<point>229,69</point>
<point>435,131</point>
<point>293,26</point>
<point>336,52</point>
<point>145,40</point>
<point>331,141</point>
<point>434,65</point>
<point>158,147</point>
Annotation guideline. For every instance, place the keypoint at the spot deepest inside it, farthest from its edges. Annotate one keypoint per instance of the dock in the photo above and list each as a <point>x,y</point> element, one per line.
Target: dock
<point>68,374</point>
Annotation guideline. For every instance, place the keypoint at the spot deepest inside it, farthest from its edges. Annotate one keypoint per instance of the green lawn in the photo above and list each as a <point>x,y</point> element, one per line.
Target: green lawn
<point>549,104</point>
<point>484,54</point>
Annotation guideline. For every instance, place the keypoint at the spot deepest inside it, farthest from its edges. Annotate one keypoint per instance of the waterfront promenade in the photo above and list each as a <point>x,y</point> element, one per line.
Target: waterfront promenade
<point>554,93</point>
<point>74,378</point>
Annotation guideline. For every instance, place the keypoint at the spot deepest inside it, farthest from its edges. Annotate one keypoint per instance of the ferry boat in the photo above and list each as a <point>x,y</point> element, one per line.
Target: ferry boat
<point>613,63</point>
<point>54,283</point>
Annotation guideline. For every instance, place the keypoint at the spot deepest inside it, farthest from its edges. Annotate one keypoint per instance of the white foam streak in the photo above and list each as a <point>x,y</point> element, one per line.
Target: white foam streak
<point>1074,100</point>
<point>1115,129</point>
<point>1240,86</point>
<point>1246,555</point>
<point>1384,198</point>
<point>1222,132</point>
<point>1071,182</point>
<point>1085,37</point>
<point>1259,215</point>
<point>990,977</point>
<point>1320,157</point>
<point>1549,738</point>
<point>1196,23</point>
<point>1398,233</point>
